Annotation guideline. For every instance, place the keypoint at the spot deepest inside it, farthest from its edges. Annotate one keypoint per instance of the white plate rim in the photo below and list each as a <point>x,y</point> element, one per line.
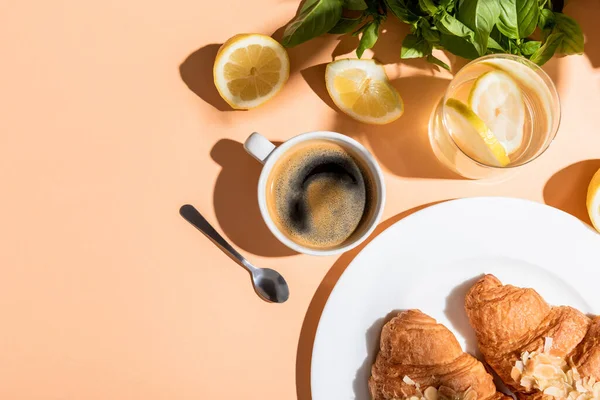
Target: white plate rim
<point>563,217</point>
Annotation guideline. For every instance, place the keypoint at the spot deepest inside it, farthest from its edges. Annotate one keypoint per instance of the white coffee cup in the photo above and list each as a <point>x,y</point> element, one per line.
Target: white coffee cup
<point>267,153</point>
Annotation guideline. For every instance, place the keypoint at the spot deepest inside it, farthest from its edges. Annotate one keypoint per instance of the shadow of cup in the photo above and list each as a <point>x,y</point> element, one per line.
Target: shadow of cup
<point>236,201</point>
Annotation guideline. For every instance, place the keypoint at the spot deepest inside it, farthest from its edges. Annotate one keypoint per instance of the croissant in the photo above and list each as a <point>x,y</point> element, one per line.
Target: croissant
<point>420,359</point>
<point>538,350</point>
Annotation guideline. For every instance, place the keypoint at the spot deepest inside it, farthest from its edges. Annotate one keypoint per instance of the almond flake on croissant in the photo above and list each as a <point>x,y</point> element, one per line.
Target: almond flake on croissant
<point>538,350</point>
<point>421,359</point>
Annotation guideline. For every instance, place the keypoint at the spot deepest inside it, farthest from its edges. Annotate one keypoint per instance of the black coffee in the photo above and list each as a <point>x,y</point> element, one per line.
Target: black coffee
<point>319,194</point>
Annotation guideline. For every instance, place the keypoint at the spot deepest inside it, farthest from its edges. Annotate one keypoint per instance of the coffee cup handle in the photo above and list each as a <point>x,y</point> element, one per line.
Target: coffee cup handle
<point>259,146</point>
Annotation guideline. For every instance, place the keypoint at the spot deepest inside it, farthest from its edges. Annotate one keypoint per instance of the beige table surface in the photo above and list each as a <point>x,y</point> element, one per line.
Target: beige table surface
<point>109,122</point>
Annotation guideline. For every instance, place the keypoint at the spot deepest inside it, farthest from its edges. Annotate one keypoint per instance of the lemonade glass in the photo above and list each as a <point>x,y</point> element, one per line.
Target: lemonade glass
<point>499,112</point>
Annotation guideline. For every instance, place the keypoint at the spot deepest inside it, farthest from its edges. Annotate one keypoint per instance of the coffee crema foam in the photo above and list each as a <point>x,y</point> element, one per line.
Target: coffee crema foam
<point>319,194</point>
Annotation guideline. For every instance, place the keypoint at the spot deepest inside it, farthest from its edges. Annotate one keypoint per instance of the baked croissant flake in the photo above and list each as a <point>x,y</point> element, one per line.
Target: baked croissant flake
<point>421,359</point>
<point>538,350</point>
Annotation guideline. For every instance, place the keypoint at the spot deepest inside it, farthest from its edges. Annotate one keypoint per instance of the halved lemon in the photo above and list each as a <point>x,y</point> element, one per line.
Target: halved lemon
<point>361,89</point>
<point>250,69</point>
<point>497,99</point>
<point>593,200</point>
<point>473,136</point>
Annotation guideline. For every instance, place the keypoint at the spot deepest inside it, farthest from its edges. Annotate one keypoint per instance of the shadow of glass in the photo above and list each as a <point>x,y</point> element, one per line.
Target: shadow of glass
<point>456,314</point>
<point>197,73</point>
<point>315,309</point>
<point>567,189</point>
<point>236,204</point>
<point>403,147</point>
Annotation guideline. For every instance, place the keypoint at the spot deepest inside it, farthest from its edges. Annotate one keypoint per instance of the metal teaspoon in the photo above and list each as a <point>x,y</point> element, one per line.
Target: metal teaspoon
<point>269,284</point>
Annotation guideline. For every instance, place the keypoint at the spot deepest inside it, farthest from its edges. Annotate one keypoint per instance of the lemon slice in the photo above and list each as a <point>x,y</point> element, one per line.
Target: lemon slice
<point>497,99</point>
<point>361,89</point>
<point>532,82</point>
<point>250,69</point>
<point>473,136</point>
<point>593,200</point>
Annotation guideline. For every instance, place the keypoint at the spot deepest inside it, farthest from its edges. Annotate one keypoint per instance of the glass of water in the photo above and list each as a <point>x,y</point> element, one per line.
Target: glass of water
<point>499,112</point>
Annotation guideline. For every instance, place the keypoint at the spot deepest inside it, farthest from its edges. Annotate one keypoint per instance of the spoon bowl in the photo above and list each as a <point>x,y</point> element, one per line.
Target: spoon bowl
<point>270,285</point>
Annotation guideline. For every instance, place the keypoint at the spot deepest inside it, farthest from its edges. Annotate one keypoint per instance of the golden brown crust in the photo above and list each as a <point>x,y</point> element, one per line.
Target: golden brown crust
<point>586,356</point>
<point>415,345</point>
<point>509,321</point>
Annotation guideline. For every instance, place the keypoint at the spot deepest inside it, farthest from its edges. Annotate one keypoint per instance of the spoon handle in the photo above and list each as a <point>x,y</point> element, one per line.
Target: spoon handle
<point>195,218</point>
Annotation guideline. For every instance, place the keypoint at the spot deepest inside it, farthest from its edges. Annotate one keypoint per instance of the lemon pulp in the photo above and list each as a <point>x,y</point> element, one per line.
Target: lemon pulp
<point>250,69</point>
<point>497,99</point>
<point>473,136</point>
<point>361,89</point>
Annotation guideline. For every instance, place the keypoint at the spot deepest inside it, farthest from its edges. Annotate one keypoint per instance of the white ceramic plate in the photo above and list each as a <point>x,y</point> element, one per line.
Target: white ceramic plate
<point>430,259</point>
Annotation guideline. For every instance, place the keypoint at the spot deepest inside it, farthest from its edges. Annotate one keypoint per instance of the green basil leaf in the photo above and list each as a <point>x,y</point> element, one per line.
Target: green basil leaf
<point>402,10</point>
<point>458,46</point>
<point>480,16</point>
<point>447,5</point>
<point>546,20</point>
<point>357,5</point>
<point>572,42</point>
<point>497,41</point>
<point>428,7</point>
<point>530,47</point>
<point>513,48</point>
<point>315,18</point>
<point>449,25</point>
<point>434,60</point>
<point>345,25</point>
<point>510,45</point>
<point>548,49</point>
<point>429,34</point>
<point>494,46</point>
<point>369,38</point>
<point>414,47</point>
<point>518,18</point>
<point>423,22</point>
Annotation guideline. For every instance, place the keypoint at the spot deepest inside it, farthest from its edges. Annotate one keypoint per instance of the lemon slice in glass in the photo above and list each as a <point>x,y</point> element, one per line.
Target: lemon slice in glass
<point>593,200</point>
<point>473,136</point>
<point>250,69</point>
<point>361,89</point>
<point>497,99</point>
<point>531,82</point>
